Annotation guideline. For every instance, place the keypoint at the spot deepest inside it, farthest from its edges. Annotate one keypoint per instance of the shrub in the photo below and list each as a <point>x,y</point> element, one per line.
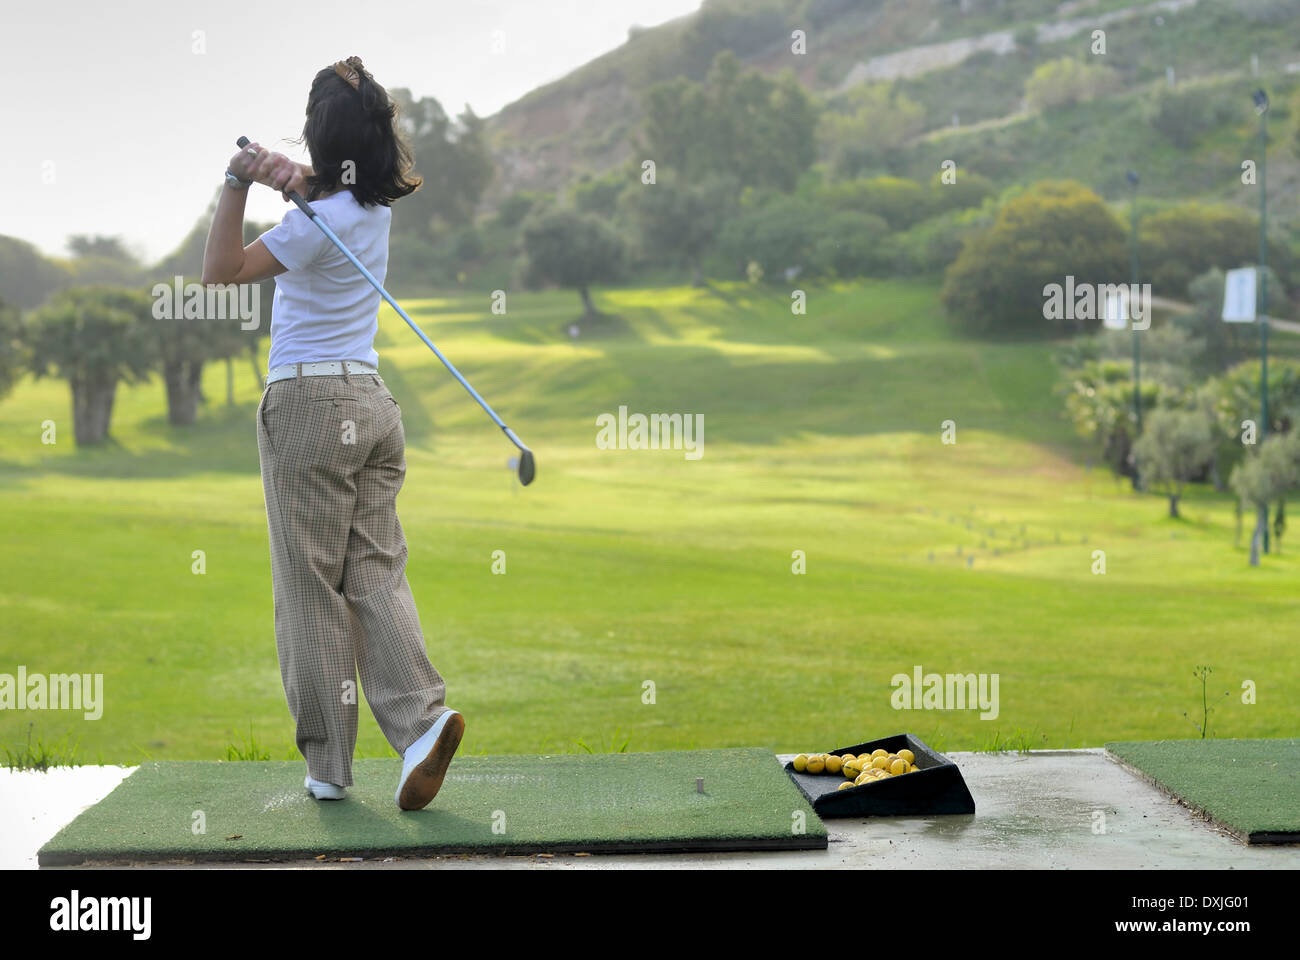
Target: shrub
<point>515,207</point>
<point>1064,82</point>
<point>1185,114</point>
<point>968,190</point>
<point>931,246</point>
<point>1051,231</point>
<point>850,244</point>
<point>1183,242</point>
<point>900,203</point>
<point>789,233</point>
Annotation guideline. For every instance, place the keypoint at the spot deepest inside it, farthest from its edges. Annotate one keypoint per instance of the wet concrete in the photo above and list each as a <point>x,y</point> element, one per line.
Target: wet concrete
<point>35,806</point>
<point>1074,809</point>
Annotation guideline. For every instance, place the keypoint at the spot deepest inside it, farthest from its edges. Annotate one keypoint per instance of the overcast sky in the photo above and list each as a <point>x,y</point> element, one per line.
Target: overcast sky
<point>114,124</point>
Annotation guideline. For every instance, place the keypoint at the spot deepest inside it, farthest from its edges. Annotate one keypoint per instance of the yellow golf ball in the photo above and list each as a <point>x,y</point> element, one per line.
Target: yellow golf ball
<point>834,763</point>
<point>898,767</point>
<point>880,763</point>
<point>801,763</point>
<point>907,755</point>
<point>879,753</point>
<point>844,786</point>
<point>816,765</point>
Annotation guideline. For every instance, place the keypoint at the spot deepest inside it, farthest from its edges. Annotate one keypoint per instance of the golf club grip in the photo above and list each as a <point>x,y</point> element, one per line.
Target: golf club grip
<point>302,204</point>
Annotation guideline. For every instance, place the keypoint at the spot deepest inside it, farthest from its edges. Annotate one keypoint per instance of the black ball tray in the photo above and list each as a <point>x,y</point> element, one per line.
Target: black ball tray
<point>936,787</point>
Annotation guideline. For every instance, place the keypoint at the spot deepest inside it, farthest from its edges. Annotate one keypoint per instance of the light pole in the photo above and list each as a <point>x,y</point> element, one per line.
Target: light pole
<point>1261,108</point>
<point>1132,178</point>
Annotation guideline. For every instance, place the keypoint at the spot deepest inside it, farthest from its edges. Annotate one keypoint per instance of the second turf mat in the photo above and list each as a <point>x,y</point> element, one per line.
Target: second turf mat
<point>630,802</point>
<point>1249,787</point>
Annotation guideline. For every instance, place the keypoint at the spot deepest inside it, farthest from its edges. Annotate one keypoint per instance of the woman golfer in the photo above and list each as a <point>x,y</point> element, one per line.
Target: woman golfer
<point>330,440</point>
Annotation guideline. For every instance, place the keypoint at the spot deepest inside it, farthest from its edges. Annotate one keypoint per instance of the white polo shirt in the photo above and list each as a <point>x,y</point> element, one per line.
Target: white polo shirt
<point>324,309</point>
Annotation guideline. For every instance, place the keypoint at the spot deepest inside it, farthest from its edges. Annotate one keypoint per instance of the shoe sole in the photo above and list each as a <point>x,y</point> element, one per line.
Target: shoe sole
<point>426,779</point>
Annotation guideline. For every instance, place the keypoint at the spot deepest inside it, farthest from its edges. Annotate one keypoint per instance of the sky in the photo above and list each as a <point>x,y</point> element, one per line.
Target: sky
<point>119,118</point>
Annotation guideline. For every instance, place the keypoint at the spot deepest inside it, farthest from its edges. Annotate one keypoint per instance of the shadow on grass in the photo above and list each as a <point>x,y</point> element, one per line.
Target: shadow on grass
<point>222,440</point>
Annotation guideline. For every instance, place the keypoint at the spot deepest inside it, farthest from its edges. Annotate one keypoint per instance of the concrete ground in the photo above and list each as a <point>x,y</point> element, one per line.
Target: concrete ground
<point>1075,809</point>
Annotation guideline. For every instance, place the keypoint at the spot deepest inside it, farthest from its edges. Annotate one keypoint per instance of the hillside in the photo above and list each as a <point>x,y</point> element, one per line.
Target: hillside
<point>966,64</point>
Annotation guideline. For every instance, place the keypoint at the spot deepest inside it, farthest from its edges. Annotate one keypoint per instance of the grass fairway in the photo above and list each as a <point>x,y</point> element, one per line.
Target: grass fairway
<point>1250,787</point>
<point>625,568</point>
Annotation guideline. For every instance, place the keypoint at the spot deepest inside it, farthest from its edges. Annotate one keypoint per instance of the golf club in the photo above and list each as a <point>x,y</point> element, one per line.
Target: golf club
<point>527,466</point>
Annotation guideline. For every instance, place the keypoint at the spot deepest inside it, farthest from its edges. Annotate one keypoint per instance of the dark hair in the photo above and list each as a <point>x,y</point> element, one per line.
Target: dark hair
<point>358,125</point>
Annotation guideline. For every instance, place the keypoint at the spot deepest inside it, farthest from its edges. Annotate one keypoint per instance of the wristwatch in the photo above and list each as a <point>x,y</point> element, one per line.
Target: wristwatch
<point>237,182</point>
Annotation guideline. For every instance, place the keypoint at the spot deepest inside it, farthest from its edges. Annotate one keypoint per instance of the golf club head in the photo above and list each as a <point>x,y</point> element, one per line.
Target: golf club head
<point>527,467</point>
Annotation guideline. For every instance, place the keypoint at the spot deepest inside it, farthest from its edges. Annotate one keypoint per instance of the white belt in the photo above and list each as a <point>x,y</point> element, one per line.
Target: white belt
<point>322,368</point>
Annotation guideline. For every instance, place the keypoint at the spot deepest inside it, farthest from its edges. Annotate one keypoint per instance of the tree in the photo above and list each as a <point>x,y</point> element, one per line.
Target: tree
<point>182,345</point>
<point>185,345</point>
<point>92,337</point>
<point>1099,400</point>
<point>1223,344</point>
<point>1236,406</point>
<point>790,232</point>
<point>599,195</point>
<point>574,250</point>
<point>932,245</point>
<point>1175,446</point>
<point>454,159</point>
<point>1098,388</point>
<point>1238,396</point>
<point>874,123</point>
<point>513,209</point>
<point>969,190</point>
<point>112,248</point>
<point>737,124</point>
<point>850,244</point>
<point>1050,232</point>
<point>11,347</point>
<point>1265,477</point>
<point>900,203</point>
<point>28,277</point>
<point>720,25</point>
<point>1182,242</point>
<point>1295,111</point>
<point>679,222</point>
<point>100,260</point>
<point>1206,319</point>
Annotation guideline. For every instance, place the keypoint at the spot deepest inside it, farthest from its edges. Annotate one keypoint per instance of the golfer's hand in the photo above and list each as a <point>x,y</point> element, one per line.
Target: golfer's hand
<point>275,170</point>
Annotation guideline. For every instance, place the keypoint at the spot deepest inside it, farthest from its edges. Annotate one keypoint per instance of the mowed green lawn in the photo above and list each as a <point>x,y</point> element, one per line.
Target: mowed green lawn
<point>822,435</point>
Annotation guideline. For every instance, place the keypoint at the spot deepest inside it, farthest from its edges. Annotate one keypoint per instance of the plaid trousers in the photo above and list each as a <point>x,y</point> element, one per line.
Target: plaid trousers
<point>332,451</point>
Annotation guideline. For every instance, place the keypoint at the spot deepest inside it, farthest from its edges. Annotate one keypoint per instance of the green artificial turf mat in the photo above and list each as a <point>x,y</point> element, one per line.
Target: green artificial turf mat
<point>621,802</point>
<point>1249,787</point>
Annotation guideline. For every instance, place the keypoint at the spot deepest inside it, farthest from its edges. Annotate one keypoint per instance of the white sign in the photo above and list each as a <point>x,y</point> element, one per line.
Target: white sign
<point>1115,314</point>
<point>1239,296</point>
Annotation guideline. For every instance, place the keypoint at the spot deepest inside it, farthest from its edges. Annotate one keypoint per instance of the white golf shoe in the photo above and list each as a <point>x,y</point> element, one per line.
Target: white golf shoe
<point>425,762</point>
<point>324,791</point>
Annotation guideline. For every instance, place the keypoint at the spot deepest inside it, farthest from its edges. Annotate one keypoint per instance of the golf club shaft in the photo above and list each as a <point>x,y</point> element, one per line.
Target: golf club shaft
<point>306,208</point>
